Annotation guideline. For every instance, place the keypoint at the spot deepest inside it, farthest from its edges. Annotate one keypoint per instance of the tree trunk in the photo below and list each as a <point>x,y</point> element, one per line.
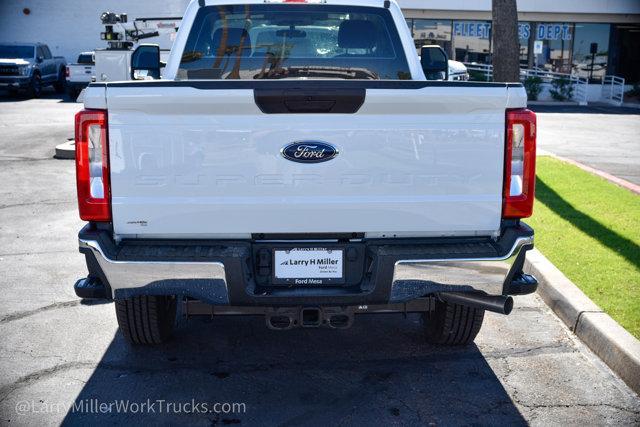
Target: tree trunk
<point>531,57</point>
<point>506,46</point>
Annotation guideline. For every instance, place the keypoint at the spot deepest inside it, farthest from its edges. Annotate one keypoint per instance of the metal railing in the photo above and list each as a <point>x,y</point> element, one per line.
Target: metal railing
<point>579,84</point>
<point>613,90</point>
<point>484,69</point>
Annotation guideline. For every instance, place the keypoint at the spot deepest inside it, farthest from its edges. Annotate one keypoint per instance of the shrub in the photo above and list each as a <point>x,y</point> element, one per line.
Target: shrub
<point>562,90</point>
<point>477,76</point>
<point>533,86</point>
<point>635,92</point>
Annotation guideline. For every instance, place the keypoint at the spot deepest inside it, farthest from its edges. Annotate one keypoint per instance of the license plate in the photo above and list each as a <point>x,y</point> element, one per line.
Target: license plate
<point>309,266</point>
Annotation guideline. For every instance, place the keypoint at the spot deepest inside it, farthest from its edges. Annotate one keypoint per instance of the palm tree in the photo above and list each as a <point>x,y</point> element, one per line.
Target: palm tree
<point>506,49</point>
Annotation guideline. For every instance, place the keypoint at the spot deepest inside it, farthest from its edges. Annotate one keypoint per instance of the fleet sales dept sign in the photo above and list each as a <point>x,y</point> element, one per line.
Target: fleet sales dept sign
<point>482,30</point>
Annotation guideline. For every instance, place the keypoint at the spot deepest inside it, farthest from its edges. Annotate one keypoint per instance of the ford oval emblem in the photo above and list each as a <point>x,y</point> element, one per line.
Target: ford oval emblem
<point>309,152</point>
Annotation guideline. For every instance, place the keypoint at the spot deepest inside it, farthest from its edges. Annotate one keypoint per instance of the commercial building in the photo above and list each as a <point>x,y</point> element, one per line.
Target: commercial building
<point>591,38</point>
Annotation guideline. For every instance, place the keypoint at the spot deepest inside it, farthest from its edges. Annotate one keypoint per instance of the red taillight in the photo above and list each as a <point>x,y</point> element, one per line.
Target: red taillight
<point>92,166</point>
<point>520,164</point>
<point>66,71</point>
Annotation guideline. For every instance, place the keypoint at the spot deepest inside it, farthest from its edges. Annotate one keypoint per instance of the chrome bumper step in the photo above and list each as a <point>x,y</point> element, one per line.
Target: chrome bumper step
<point>222,273</point>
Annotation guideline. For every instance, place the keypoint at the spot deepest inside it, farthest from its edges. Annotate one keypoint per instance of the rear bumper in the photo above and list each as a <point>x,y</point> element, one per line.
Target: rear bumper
<point>383,272</point>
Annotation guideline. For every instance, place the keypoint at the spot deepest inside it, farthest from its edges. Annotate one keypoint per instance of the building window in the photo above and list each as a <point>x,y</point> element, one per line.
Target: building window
<point>430,31</point>
<point>556,40</point>
<point>585,63</point>
<point>524,36</point>
<point>472,41</point>
<point>624,55</point>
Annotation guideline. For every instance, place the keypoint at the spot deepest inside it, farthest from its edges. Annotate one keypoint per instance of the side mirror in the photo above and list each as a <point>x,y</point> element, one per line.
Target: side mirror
<point>39,59</point>
<point>435,63</point>
<point>145,62</point>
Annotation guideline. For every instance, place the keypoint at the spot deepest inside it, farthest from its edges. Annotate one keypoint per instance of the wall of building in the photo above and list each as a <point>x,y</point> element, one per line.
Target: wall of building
<point>72,26</point>
<point>547,6</point>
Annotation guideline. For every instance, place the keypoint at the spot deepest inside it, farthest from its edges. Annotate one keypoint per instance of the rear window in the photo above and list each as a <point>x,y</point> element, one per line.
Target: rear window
<point>85,58</point>
<point>270,41</point>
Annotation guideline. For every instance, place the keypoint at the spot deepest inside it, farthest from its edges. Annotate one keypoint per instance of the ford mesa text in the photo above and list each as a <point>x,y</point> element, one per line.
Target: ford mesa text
<point>302,161</point>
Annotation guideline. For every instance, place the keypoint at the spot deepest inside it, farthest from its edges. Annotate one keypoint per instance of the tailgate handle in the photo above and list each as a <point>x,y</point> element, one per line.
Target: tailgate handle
<point>309,101</point>
<point>309,105</point>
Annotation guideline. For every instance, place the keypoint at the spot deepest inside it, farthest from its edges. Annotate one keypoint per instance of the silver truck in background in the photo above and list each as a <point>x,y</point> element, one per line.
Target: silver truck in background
<point>30,66</point>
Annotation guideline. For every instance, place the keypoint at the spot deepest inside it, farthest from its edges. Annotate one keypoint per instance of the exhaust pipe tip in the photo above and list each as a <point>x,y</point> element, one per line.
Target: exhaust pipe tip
<point>508,306</point>
<point>500,304</point>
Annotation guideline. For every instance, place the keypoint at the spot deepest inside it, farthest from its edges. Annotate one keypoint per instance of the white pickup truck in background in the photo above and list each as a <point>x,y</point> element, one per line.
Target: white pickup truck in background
<point>458,71</point>
<point>80,74</point>
<point>295,163</point>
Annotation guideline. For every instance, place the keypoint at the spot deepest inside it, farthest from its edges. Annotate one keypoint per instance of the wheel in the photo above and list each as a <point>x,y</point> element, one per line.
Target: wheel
<point>61,83</point>
<point>146,320</point>
<point>35,87</point>
<point>452,324</point>
<point>73,93</point>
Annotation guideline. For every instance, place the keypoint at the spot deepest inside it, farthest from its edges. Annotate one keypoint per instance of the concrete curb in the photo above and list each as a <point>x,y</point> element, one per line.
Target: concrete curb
<point>604,336</point>
<point>66,150</point>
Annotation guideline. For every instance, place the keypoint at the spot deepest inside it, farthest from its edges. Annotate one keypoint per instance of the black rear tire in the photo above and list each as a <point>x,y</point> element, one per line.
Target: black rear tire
<point>146,320</point>
<point>73,93</point>
<point>452,324</point>
<point>61,84</point>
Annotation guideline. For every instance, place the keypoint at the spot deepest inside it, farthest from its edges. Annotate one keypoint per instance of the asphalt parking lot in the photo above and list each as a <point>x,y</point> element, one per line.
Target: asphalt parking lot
<point>600,136</point>
<point>526,368</point>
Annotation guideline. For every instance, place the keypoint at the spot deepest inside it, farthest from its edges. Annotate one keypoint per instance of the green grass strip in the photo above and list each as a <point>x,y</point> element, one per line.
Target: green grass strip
<point>590,229</point>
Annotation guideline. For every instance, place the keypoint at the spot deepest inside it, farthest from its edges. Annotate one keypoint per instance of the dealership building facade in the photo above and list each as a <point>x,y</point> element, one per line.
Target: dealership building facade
<point>590,38</point>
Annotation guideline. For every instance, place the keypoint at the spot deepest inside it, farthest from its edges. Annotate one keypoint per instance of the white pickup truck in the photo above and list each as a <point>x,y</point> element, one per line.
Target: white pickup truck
<point>80,74</point>
<point>294,162</point>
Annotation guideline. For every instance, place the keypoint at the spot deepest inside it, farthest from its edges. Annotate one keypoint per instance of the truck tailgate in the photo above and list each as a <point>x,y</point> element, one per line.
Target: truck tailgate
<point>193,162</point>
<point>80,73</point>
